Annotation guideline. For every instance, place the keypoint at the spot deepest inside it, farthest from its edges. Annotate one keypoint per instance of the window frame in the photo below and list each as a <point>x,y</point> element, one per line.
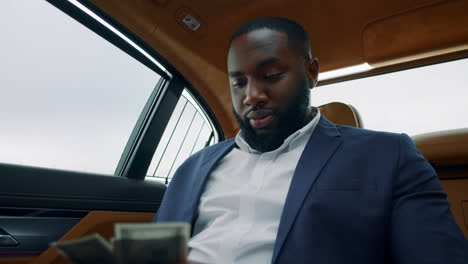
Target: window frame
<point>152,122</point>
<point>393,69</point>
<point>186,100</point>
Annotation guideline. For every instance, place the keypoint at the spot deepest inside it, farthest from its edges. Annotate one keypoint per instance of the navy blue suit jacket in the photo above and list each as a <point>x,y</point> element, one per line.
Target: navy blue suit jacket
<point>356,196</point>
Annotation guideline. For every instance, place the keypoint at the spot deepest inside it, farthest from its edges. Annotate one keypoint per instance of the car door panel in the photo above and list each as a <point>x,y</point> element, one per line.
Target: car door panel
<point>40,205</point>
<point>101,222</point>
<point>33,234</point>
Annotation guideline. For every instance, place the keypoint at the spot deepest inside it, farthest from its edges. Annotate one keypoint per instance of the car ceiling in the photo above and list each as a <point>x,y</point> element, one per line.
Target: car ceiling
<point>387,34</point>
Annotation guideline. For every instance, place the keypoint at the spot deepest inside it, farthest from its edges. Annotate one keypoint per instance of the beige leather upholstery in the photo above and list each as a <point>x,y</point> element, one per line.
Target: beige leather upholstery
<point>341,114</point>
<point>444,148</point>
<point>447,151</point>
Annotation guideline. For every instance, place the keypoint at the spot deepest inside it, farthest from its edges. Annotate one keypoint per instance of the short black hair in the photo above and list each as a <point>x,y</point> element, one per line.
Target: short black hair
<point>294,31</point>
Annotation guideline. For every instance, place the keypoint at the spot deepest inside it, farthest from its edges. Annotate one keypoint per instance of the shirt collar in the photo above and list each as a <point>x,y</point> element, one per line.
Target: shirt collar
<point>294,140</point>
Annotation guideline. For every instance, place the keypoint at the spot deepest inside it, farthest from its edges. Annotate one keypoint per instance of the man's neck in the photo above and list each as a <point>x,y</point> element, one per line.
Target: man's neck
<point>311,113</point>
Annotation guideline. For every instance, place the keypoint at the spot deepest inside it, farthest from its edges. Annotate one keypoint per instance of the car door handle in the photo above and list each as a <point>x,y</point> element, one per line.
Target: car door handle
<point>7,240</point>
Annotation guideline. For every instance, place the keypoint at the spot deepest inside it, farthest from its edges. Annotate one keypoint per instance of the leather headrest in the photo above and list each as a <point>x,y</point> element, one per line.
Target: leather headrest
<point>341,114</point>
<point>444,148</point>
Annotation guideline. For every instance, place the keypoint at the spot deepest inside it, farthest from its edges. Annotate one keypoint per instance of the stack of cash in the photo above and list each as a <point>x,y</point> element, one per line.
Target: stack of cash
<point>150,243</point>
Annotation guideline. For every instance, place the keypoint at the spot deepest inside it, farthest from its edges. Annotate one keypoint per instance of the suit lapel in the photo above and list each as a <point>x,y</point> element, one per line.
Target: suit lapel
<point>322,144</point>
<point>203,173</point>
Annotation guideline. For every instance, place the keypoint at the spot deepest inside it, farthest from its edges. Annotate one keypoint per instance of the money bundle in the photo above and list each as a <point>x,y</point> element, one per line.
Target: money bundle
<point>91,249</point>
<point>149,243</point>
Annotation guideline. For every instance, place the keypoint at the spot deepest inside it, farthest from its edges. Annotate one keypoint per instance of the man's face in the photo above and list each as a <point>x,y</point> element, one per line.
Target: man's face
<point>270,83</point>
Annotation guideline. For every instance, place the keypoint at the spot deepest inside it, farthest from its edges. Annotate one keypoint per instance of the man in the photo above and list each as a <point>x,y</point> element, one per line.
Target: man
<point>294,188</point>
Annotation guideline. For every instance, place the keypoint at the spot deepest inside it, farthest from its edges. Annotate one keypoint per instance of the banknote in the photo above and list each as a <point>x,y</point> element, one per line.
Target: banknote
<point>92,249</point>
<point>151,243</point>
<point>151,230</point>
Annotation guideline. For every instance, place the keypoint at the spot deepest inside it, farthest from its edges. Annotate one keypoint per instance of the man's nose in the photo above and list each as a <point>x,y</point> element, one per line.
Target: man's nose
<point>255,94</point>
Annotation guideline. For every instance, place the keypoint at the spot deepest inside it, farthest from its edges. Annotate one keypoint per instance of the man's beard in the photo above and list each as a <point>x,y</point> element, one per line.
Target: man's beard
<point>289,122</point>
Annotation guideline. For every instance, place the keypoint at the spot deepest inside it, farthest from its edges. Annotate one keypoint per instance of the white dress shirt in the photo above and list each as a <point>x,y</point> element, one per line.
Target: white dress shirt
<point>240,209</point>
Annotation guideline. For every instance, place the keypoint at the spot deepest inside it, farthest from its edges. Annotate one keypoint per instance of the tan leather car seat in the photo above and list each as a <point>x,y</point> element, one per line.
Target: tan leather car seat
<point>341,114</point>
<point>447,151</point>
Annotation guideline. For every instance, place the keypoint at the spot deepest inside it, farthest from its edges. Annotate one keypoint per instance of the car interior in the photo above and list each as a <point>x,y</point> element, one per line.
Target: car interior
<point>185,42</point>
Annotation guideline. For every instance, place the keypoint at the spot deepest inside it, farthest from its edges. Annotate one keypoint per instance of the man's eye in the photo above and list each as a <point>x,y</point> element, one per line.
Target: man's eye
<point>273,76</point>
<point>238,84</point>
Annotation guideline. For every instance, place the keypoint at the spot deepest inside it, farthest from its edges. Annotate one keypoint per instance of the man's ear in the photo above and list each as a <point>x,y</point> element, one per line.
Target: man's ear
<point>312,69</point>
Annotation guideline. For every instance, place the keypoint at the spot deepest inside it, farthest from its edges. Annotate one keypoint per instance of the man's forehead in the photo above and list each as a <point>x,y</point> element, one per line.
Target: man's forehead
<point>264,34</point>
<point>259,38</point>
<point>258,43</point>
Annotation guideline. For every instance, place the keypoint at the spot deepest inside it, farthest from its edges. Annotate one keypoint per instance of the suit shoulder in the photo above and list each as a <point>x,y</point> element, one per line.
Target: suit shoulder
<point>207,152</point>
<point>369,136</point>
<point>197,160</point>
<point>354,131</point>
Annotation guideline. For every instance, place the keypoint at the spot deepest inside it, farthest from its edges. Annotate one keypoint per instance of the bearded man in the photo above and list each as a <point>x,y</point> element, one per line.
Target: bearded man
<point>292,187</point>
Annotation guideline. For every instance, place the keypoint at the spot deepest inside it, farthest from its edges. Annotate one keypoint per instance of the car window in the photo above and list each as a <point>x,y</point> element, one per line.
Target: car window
<point>188,131</point>
<point>69,98</point>
<point>414,101</point>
